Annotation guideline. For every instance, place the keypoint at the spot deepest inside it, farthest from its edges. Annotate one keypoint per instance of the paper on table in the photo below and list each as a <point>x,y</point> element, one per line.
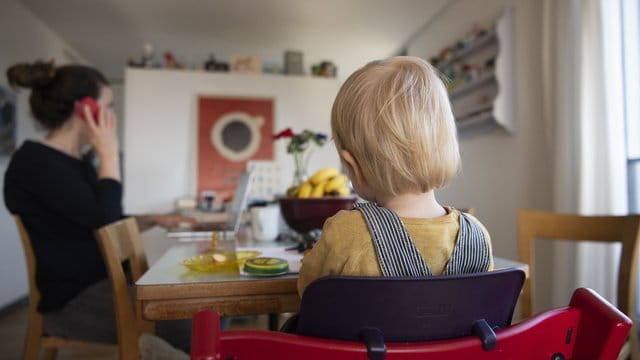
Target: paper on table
<point>292,256</point>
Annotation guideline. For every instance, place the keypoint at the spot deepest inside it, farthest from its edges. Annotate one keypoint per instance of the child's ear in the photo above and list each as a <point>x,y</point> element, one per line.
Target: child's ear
<point>353,165</point>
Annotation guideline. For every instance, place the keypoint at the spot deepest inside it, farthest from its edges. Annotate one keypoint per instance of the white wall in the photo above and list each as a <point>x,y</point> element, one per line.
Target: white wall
<point>501,173</point>
<point>160,127</point>
<point>24,38</point>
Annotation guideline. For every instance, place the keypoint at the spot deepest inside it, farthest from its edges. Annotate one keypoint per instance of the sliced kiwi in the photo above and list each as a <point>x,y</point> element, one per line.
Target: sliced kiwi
<point>266,266</point>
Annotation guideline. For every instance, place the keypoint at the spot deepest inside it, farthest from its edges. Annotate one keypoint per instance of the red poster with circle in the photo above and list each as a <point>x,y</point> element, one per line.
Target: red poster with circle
<point>231,131</point>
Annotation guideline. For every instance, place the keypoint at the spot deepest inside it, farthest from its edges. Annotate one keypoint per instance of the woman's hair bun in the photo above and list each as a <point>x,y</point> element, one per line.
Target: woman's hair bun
<point>32,76</point>
<point>55,89</point>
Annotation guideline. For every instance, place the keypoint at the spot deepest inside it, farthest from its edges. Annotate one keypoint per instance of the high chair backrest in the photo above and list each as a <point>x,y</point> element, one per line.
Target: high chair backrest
<point>120,241</point>
<point>408,309</point>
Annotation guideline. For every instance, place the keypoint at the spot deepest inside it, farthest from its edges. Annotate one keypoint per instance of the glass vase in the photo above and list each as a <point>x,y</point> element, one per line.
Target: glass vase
<point>300,172</point>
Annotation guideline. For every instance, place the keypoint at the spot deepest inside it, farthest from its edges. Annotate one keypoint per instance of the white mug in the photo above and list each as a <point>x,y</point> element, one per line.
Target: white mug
<point>265,222</point>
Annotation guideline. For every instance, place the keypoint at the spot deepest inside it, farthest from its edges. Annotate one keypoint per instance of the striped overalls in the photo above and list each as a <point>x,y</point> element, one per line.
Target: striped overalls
<point>398,255</point>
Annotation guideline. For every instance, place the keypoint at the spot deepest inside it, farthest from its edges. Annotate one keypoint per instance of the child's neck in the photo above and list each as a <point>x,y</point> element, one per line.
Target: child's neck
<point>420,205</point>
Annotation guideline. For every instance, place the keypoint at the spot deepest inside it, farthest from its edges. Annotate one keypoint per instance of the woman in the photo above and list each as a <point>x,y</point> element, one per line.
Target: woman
<point>61,199</point>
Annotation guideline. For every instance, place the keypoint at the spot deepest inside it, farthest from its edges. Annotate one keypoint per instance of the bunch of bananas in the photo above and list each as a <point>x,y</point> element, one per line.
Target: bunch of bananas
<point>325,182</point>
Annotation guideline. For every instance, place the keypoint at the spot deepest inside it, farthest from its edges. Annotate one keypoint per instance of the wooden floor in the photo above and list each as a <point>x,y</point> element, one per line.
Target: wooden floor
<point>13,327</point>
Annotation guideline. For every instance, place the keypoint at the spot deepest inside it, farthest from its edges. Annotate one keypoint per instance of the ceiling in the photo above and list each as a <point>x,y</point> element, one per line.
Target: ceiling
<point>347,32</point>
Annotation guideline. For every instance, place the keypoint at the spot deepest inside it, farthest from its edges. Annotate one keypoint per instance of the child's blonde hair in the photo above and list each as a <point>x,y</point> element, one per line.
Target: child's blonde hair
<point>395,119</point>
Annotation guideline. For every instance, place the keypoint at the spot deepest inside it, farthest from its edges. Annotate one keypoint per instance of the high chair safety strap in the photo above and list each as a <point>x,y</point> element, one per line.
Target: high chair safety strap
<point>471,253</point>
<point>398,255</point>
<point>396,252</point>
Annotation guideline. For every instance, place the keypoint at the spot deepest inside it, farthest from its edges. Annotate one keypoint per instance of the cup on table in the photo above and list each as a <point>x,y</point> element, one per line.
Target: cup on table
<point>265,222</point>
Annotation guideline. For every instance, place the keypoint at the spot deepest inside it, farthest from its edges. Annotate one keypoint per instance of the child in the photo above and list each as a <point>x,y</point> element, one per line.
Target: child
<point>395,133</point>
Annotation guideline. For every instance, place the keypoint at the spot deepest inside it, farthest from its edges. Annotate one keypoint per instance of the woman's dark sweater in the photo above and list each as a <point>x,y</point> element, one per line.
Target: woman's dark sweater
<point>61,203</point>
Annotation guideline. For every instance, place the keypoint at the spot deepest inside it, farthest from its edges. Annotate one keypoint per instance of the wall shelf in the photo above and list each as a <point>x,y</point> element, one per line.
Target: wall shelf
<point>473,85</point>
<point>486,98</point>
<point>474,111</point>
<point>478,44</point>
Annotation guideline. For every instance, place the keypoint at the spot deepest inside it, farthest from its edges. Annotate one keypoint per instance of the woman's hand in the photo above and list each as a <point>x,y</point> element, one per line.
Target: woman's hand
<point>103,137</point>
<point>166,221</point>
<point>173,221</point>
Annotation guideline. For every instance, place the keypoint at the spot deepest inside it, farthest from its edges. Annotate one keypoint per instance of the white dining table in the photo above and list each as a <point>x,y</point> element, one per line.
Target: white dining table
<point>169,290</point>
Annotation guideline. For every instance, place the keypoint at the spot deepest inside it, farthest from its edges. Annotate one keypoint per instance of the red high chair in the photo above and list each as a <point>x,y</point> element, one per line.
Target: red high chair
<point>589,328</point>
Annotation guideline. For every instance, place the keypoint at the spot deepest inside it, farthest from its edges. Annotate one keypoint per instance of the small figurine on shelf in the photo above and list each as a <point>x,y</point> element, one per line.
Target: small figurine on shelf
<point>133,63</point>
<point>246,64</point>
<point>170,62</point>
<point>148,55</point>
<point>490,64</point>
<point>213,65</point>
<point>470,71</point>
<point>271,68</point>
<point>147,60</point>
<point>293,63</point>
<point>210,64</point>
<point>324,69</point>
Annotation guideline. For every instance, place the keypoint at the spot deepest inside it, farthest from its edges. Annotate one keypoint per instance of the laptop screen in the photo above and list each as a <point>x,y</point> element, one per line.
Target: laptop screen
<point>240,199</point>
<point>234,213</point>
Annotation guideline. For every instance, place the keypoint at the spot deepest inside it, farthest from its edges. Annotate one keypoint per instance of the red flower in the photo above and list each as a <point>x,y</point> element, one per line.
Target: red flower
<point>286,133</point>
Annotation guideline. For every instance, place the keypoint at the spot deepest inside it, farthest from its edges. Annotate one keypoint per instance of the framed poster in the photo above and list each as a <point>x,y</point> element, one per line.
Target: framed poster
<point>231,131</point>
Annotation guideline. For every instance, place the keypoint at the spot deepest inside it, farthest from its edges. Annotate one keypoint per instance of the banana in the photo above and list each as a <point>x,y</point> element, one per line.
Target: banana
<point>343,190</point>
<point>323,174</point>
<point>318,190</point>
<point>305,190</point>
<point>335,183</point>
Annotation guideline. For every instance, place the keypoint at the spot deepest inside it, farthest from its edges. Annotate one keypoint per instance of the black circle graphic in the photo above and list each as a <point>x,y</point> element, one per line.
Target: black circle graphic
<point>236,135</point>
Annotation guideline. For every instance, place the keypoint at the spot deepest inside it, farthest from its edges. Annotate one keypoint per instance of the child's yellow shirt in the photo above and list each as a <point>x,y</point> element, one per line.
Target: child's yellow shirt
<point>346,247</point>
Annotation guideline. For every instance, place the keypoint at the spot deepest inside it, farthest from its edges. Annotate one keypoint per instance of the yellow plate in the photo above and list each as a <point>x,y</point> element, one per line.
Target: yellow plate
<point>219,261</point>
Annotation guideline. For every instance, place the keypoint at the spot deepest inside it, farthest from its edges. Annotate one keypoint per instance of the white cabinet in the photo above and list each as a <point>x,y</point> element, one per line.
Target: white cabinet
<point>481,78</point>
<point>161,121</point>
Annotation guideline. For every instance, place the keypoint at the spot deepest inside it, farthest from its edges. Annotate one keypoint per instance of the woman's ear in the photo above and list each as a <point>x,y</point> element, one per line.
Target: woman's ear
<point>355,170</point>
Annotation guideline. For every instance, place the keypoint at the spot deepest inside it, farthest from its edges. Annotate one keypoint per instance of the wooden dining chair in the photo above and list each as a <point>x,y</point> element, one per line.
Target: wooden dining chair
<point>608,229</point>
<point>36,340</point>
<point>120,242</point>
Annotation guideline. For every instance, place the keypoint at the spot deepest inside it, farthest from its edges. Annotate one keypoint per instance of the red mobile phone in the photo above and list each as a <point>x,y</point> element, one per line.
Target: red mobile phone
<point>93,107</point>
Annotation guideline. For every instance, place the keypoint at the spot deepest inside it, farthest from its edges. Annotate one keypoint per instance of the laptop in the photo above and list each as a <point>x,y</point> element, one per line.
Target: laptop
<point>228,227</point>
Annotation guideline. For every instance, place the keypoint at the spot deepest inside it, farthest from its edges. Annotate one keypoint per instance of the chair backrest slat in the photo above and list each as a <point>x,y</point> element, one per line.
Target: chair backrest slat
<point>119,242</point>
<point>30,259</point>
